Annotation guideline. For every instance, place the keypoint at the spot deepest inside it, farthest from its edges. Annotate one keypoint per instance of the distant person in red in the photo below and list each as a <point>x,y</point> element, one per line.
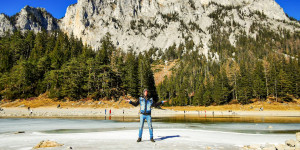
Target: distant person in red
<point>110,112</point>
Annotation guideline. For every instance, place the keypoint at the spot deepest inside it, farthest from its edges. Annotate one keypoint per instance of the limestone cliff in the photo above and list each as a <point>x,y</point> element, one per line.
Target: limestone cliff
<point>142,24</point>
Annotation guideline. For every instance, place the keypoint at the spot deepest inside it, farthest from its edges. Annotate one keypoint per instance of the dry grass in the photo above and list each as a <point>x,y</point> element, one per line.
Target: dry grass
<point>34,102</point>
<point>44,101</point>
<point>267,105</point>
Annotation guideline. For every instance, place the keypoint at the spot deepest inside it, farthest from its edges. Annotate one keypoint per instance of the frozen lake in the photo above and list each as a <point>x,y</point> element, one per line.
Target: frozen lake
<point>170,133</point>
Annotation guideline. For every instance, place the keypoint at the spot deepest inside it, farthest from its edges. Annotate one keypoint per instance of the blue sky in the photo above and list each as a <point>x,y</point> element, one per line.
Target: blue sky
<point>58,7</point>
<point>291,7</point>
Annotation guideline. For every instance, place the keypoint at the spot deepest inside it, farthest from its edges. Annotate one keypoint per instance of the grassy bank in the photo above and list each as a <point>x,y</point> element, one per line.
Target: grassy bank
<point>44,101</point>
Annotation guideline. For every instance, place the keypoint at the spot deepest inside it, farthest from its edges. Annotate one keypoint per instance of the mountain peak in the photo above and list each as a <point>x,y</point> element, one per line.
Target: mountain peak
<point>29,8</point>
<point>29,18</point>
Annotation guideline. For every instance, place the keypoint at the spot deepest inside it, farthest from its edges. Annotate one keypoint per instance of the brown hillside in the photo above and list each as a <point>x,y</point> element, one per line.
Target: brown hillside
<point>162,70</point>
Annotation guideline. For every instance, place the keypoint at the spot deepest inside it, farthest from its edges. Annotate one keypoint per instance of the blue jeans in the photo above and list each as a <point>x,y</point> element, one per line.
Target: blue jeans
<point>142,120</point>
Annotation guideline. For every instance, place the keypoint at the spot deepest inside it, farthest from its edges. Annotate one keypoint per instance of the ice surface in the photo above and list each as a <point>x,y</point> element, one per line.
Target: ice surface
<point>106,134</point>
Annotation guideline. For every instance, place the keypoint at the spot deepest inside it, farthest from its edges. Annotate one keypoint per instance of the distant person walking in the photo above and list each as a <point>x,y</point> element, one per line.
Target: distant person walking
<point>105,111</point>
<point>261,109</point>
<point>145,108</point>
<point>110,112</point>
<point>31,112</point>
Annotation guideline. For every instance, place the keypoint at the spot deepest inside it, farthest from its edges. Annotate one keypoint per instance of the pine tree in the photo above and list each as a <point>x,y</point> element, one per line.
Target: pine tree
<point>244,82</point>
<point>131,79</point>
<point>5,57</point>
<point>207,99</point>
<point>57,55</point>
<point>293,75</point>
<point>29,43</point>
<point>90,80</point>
<point>16,45</point>
<point>266,71</point>
<point>284,85</point>
<point>106,50</point>
<point>72,79</point>
<point>145,75</point>
<point>76,46</point>
<point>53,81</point>
<point>21,82</point>
<point>121,70</point>
<point>233,72</point>
<point>39,47</point>
<point>199,95</point>
<point>259,81</point>
<point>51,42</point>
<point>220,91</point>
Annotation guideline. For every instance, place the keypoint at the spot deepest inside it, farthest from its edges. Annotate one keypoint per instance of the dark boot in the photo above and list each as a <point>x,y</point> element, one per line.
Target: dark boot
<point>152,140</point>
<point>139,140</point>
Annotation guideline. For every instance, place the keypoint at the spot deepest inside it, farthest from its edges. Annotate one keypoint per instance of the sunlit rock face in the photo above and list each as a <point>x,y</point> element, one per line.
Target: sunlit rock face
<point>143,24</point>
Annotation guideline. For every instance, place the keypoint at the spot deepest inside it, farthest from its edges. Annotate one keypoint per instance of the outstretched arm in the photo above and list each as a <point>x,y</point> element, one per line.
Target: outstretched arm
<point>158,103</point>
<point>136,103</point>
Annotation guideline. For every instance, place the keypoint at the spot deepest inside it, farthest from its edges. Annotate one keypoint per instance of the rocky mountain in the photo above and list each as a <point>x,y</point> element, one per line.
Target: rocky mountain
<point>144,24</point>
<point>29,18</point>
<point>5,24</point>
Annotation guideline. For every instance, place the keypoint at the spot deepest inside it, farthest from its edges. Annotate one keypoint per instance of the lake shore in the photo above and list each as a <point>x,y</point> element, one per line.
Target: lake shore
<point>43,107</point>
<point>48,112</point>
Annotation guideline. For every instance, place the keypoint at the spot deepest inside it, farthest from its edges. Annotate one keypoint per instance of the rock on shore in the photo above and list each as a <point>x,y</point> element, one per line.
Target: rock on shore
<point>47,143</point>
<point>289,145</point>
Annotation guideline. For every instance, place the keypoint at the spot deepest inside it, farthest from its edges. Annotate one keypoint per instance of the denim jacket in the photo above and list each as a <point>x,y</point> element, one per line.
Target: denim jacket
<point>146,105</point>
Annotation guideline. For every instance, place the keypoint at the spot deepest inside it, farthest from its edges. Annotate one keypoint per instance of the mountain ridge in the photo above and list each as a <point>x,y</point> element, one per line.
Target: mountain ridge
<point>29,18</point>
<point>146,24</point>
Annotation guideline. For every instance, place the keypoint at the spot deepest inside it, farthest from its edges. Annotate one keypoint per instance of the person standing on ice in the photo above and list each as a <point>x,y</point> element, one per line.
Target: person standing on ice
<point>145,109</point>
